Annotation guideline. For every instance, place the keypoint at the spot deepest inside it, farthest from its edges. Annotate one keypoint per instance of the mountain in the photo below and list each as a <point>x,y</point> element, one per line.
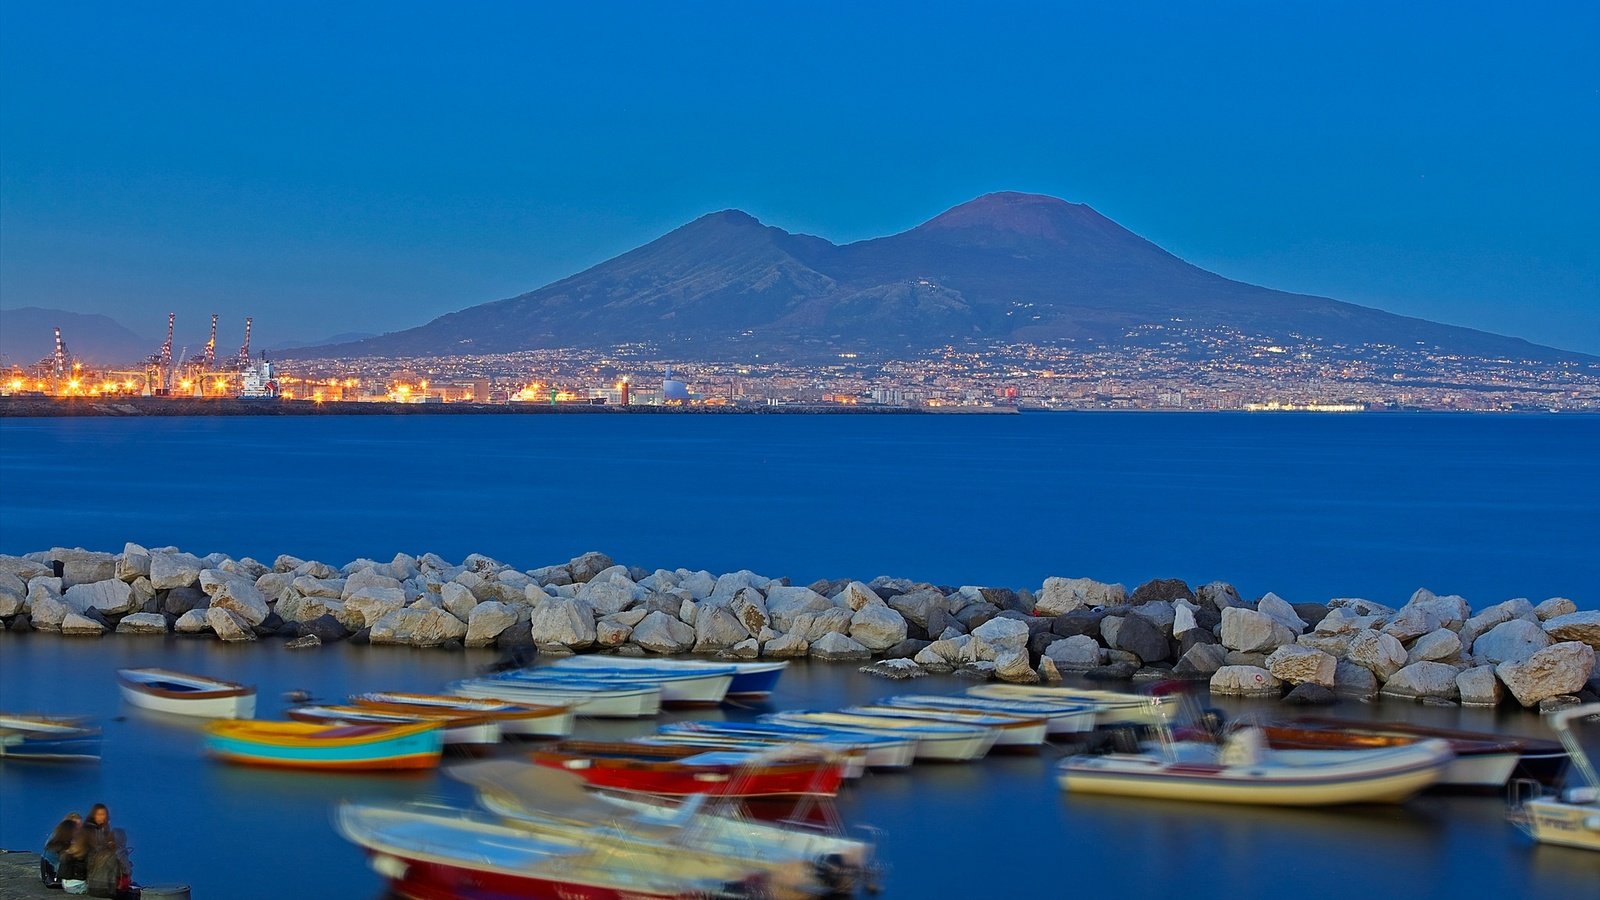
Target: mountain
<point>343,337</point>
<point>1005,266</point>
<point>27,335</point>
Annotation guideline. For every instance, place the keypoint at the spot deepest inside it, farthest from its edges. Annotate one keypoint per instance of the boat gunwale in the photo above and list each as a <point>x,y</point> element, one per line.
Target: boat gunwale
<point>232,689</point>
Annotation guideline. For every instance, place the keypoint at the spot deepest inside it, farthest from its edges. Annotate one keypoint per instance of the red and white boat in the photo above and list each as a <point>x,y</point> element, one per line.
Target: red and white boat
<point>445,854</point>
<point>789,771</point>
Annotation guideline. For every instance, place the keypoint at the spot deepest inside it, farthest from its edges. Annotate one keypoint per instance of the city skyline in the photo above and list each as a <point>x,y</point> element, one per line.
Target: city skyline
<point>1447,183</point>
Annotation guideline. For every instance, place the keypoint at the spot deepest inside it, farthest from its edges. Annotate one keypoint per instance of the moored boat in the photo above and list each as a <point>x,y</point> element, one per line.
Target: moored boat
<point>853,758</point>
<point>1060,717</point>
<point>1011,732</point>
<point>936,741</point>
<point>443,854</point>
<point>751,680</point>
<point>301,745</point>
<point>883,751</point>
<point>586,698</point>
<point>1111,707</point>
<point>791,771</point>
<point>1570,818</point>
<point>1482,760</point>
<point>549,801</point>
<point>514,719</point>
<point>48,738</point>
<point>457,729</point>
<point>1243,771</point>
<point>679,687</point>
<point>163,690</point>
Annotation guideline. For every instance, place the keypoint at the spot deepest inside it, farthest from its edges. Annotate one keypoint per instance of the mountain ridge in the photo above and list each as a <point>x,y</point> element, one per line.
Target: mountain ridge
<point>1006,266</point>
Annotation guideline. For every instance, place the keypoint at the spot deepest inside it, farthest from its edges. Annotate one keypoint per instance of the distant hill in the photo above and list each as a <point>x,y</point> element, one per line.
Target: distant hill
<point>341,338</point>
<point>1006,266</point>
<point>27,335</point>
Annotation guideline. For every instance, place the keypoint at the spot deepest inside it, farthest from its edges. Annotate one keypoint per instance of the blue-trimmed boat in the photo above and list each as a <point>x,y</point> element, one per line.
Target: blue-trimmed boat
<point>301,745</point>
<point>751,680</point>
<point>48,739</point>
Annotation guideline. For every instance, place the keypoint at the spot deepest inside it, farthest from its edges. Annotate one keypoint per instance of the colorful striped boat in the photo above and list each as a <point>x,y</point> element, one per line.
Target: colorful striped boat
<point>518,719</point>
<point>300,745</point>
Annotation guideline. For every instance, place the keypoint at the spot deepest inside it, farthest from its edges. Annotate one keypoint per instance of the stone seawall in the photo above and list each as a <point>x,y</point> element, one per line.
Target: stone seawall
<point>1429,648</point>
<point>125,407</point>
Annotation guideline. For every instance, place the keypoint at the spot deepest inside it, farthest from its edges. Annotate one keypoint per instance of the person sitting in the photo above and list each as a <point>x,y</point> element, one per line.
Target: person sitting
<point>86,841</point>
<point>55,845</point>
<point>110,874</point>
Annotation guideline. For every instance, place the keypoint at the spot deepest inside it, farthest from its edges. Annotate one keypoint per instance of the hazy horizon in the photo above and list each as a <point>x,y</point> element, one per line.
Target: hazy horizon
<point>327,172</point>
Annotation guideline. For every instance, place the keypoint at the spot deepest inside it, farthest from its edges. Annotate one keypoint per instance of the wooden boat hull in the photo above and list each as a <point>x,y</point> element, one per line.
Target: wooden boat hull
<point>352,748</point>
<point>186,695</point>
<point>613,703</point>
<point>515,719</point>
<point>1390,776</point>
<point>42,739</point>
<point>667,771</point>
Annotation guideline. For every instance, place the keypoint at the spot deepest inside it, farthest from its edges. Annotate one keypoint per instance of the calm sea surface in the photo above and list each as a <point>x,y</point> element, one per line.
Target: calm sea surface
<point>1309,507</point>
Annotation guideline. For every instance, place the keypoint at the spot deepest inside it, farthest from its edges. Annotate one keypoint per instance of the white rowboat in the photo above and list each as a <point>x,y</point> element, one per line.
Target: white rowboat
<point>166,691</point>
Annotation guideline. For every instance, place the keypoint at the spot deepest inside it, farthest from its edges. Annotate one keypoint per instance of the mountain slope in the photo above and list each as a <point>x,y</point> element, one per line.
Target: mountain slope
<point>1007,266</point>
<point>27,335</point>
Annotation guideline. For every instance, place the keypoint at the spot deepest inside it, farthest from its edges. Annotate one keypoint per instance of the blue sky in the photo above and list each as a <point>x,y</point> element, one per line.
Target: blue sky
<point>337,167</point>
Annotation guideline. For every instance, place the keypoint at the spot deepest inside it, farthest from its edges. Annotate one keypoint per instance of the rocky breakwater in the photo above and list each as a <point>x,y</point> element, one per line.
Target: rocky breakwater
<point>1431,648</point>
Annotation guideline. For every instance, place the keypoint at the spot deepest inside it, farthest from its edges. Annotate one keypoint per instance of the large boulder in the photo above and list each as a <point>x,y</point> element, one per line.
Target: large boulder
<point>1002,635</point>
<point>487,620</point>
<point>1062,595</point>
<point>918,605</point>
<point>1435,646</point>
<point>585,567</point>
<point>1478,686</point>
<point>1078,653</point>
<point>1141,638</point>
<point>13,595</point>
<point>856,595</point>
<point>750,608</point>
<point>1379,653</point>
<point>1511,641</point>
<point>812,627</point>
<point>1557,669</point>
<point>111,597</point>
<point>235,592</point>
<point>1245,681</point>
<point>1296,664</point>
<point>786,603</point>
<point>458,599</point>
<point>46,606</point>
<point>878,627</point>
<point>75,625</point>
<point>1201,661</point>
<point>661,633</point>
<point>1423,681</point>
<point>717,628</point>
<point>173,569</point>
<point>327,629</point>
<point>305,609</point>
<point>1576,626</point>
<point>835,646</point>
<point>133,563</point>
<point>368,604</point>
<point>1450,609</point>
<point>143,623</point>
<point>1281,611</point>
<point>784,646</point>
<point>1013,667</point>
<point>612,595</point>
<point>1412,622</point>
<point>361,579</point>
<point>1251,631</point>
<point>417,627</point>
<point>1354,680</point>
<point>192,622</point>
<point>1218,595</point>
<point>228,625</point>
<point>569,623</point>
<point>80,566</point>
<point>1161,589</point>
<point>1481,623</point>
<point>1555,606</point>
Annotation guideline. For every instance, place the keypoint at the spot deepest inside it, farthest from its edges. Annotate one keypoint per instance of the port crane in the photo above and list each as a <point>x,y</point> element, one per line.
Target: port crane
<point>211,345</point>
<point>244,349</point>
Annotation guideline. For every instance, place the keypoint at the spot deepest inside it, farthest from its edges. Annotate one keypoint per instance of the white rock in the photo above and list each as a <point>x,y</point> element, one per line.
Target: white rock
<point>1244,681</point>
<point>1424,681</point>
<point>1251,631</point>
<point>750,648</point>
<point>1013,667</point>
<point>1281,612</point>
<point>857,595</point>
<point>1219,595</point>
<point>877,627</point>
<point>1451,609</point>
<point>366,605</point>
<point>48,610</point>
<point>143,623</point>
<point>835,646</point>
<point>717,628</point>
<point>1074,654</point>
<point>1183,619</point>
<point>75,625</point>
<point>569,623</point>
<point>1413,622</point>
<point>611,633</point>
<point>428,627</point>
<point>1062,595</point>
<point>134,562</point>
<point>1005,635</point>
<point>458,599</point>
<point>1511,641</point>
<point>358,581</point>
<point>612,595</point>
<point>228,625</point>
<point>192,622</point>
<point>173,569</point>
<point>1555,606</point>
<point>305,609</point>
<point>237,593</point>
<point>1478,686</point>
<point>786,646</point>
<point>80,566</point>
<point>1434,647</point>
<point>751,610</point>
<point>661,633</point>
<point>13,595</point>
<point>786,603</point>
<point>110,597</point>
<point>1576,626</point>
<point>487,620</point>
<point>1377,652</point>
<point>814,627</point>
<point>1296,664</point>
<point>1557,669</point>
